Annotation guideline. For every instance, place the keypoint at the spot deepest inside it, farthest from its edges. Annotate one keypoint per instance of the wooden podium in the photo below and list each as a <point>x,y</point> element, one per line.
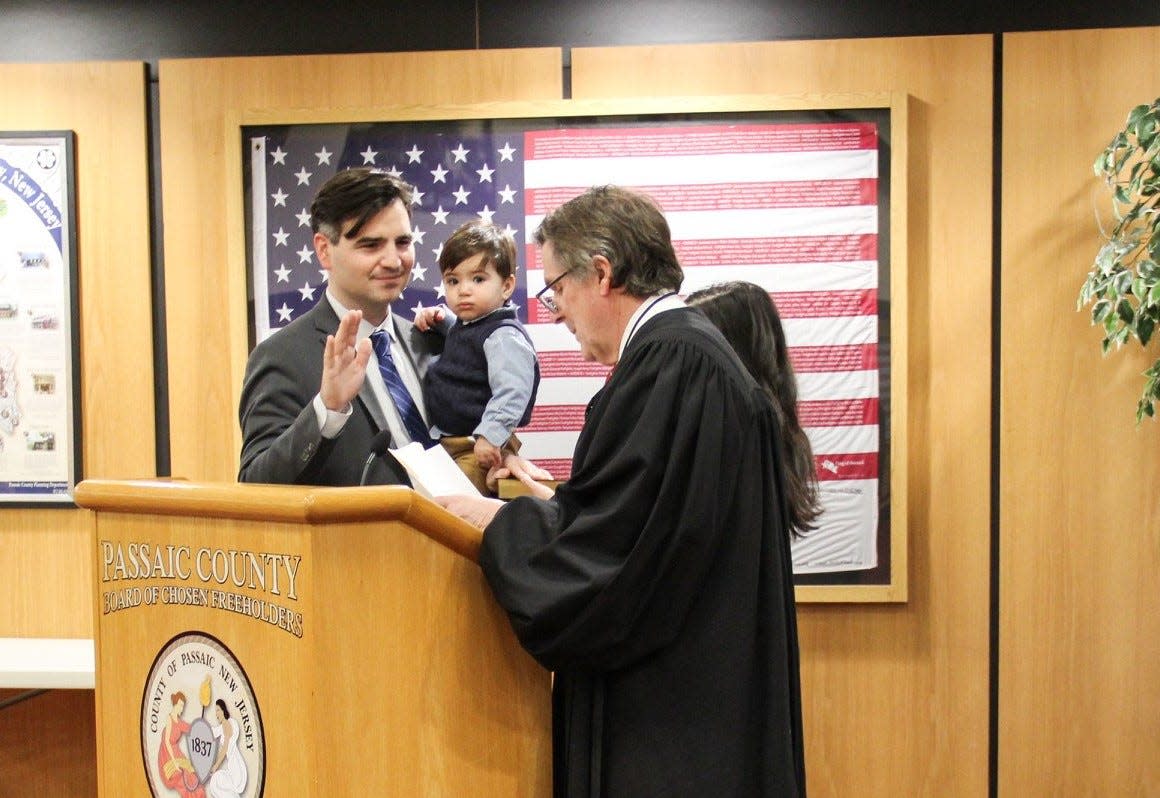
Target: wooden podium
<point>347,632</point>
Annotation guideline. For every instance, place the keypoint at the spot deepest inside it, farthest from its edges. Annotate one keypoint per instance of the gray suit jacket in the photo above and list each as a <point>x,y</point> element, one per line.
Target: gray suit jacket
<point>281,442</point>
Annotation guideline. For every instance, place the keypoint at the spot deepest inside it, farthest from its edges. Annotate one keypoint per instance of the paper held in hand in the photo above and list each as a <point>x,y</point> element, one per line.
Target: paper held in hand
<point>432,471</point>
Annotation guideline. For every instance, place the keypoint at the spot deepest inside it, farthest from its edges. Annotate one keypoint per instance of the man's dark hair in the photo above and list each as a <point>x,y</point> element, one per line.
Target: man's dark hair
<point>472,238</point>
<point>355,194</point>
<point>625,227</point>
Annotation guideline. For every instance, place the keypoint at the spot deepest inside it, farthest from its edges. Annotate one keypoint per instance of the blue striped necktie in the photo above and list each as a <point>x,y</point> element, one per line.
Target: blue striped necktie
<point>381,343</point>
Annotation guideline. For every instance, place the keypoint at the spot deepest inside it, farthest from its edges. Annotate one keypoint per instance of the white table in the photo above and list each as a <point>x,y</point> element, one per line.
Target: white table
<point>47,663</point>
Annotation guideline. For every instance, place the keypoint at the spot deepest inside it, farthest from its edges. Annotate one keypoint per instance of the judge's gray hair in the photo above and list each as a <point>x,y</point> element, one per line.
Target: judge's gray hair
<point>625,227</point>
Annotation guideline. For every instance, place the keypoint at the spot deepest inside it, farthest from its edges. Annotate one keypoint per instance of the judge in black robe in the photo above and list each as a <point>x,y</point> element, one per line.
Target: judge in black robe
<point>657,581</point>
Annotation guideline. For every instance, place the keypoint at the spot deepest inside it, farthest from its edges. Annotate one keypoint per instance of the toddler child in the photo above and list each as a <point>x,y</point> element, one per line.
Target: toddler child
<point>484,384</point>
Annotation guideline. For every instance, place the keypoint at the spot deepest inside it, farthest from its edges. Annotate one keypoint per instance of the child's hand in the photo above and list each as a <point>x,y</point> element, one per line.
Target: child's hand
<point>486,454</point>
<point>426,318</point>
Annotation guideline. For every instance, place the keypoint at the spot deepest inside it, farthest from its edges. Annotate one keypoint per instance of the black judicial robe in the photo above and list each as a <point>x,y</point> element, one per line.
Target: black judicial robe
<point>657,583</point>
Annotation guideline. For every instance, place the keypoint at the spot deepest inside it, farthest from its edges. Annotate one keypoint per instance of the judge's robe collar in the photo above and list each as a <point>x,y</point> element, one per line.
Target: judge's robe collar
<point>657,303</point>
<point>652,306</point>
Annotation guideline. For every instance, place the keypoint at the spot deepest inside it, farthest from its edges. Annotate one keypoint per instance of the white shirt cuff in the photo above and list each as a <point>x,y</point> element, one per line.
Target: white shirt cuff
<point>330,422</point>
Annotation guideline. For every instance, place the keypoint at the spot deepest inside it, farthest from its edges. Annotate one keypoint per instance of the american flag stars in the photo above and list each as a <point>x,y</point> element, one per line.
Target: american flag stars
<point>457,175</point>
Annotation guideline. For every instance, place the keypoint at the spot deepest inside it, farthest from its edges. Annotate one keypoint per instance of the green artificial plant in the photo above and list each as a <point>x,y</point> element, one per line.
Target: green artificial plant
<point>1123,286</point>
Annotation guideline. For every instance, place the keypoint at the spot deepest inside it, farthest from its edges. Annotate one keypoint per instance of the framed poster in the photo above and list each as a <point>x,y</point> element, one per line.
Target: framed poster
<point>801,196</point>
<point>39,336</point>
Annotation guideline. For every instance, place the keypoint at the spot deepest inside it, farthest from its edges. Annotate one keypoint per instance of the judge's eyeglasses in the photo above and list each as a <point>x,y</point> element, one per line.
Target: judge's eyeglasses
<point>547,297</point>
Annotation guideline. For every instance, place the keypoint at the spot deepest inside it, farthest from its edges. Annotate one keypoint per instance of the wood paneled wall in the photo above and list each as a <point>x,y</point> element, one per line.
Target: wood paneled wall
<point>1079,665</point>
<point>895,696</point>
<point>104,103</point>
<point>45,565</point>
<point>205,287</point>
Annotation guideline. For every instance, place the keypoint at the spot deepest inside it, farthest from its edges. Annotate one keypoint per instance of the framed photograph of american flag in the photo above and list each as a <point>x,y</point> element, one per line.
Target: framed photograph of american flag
<point>40,460</point>
<point>804,196</point>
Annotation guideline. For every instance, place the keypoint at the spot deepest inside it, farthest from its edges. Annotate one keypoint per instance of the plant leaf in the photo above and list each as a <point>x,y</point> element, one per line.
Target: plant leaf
<point>1146,131</point>
<point>1126,313</point>
<point>1144,328</point>
<point>1101,310</point>
<point>1134,116</point>
<point>1143,408</point>
<point>1121,283</point>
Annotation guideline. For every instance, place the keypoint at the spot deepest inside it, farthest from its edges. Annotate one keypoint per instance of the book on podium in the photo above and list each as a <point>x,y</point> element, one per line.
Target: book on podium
<point>432,471</point>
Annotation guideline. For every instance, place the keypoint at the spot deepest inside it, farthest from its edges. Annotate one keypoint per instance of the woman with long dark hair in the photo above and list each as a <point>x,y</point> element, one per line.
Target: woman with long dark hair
<point>747,317</point>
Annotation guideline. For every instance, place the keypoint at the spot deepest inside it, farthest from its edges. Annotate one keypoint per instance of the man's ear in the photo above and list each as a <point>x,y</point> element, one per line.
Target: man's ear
<point>322,250</point>
<point>603,269</point>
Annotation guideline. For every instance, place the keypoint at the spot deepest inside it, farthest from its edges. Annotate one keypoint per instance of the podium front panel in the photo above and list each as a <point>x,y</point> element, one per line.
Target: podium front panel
<point>351,658</point>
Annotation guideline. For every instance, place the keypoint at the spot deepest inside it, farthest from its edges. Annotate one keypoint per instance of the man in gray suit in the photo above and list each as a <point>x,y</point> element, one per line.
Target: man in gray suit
<point>310,406</point>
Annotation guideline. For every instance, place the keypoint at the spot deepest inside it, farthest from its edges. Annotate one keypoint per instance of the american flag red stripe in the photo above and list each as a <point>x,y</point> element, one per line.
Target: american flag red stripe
<point>853,357</point>
<point>777,250</point>
<point>761,251</point>
<point>552,418</point>
<point>825,304</point>
<point>699,140</point>
<point>732,196</point>
<point>560,468</point>
<point>568,364</point>
<point>540,315</point>
<point>838,412</point>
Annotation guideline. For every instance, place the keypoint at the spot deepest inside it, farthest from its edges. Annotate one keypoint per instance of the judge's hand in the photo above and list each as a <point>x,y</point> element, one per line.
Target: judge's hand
<point>475,510</point>
<point>427,318</point>
<point>344,363</point>
<point>525,471</point>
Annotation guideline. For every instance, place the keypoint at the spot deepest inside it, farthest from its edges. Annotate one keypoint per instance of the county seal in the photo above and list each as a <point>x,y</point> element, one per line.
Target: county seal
<point>201,730</point>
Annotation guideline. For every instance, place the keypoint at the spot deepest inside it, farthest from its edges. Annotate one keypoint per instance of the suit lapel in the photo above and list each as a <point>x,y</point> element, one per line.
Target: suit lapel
<point>418,359</point>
